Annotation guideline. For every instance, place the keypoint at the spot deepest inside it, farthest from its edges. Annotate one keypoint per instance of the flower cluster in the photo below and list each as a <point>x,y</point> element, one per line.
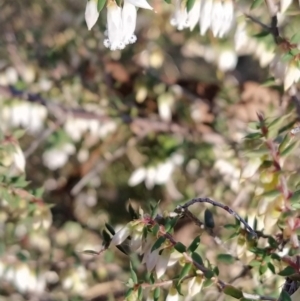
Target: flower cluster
<point>121,21</point>
<point>159,174</point>
<point>157,257</point>
<point>216,15</point>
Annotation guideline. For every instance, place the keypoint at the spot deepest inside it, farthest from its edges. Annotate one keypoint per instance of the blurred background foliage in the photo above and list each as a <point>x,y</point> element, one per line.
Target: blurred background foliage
<point>84,130</point>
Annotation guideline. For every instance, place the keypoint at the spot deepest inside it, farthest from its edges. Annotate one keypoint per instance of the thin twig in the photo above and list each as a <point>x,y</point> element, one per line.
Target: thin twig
<point>184,207</point>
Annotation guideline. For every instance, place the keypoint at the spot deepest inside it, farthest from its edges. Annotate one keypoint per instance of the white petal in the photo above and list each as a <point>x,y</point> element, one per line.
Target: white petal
<point>172,295</point>
<point>195,285</point>
<point>194,14</point>
<point>91,13</point>
<point>164,172</point>
<point>179,19</point>
<point>19,159</point>
<point>228,18</point>
<point>140,3</point>
<point>114,27</point>
<point>162,263</point>
<point>136,241</point>
<point>150,177</point>
<point>129,22</point>
<point>151,260</point>
<point>205,18</point>
<point>217,17</point>
<point>137,176</point>
<point>120,236</point>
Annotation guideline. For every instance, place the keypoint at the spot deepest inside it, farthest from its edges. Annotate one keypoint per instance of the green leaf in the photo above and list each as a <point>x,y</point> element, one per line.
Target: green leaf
<point>256,3</point>
<point>289,148</point>
<point>197,258</point>
<point>254,263</point>
<point>155,229</point>
<point>233,292</point>
<point>194,245</point>
<point>284,296</point>
<point>100,5</point>
<point>128,293</point>
<point>226,258</point>
<point>263,268</point>
<point>156,294</point>
<point>133,274</point>
<point>110,229</point>
<point>295,198</point>
<point>171,222</point>
<point>181,248</point>
<point>158,243</point>
<point>253,135</point>
<point>285,141</point>
<point>154,209</point>
<point>190,4</point>
<point>271,193</point>
<point>288,271</point>
<point>271,267</point>
<point>184,271</point>
<point>209,219</point>
<point>140,293</point>
<point>209,274</point>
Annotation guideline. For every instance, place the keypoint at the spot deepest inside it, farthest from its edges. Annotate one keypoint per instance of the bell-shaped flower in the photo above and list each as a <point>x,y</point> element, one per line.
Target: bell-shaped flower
<point>184,19</point>
<point>121,236</point>
<point>91,13</point>
<point>133,229</point>
<point>195,285</point>
<point>179,20</point>
<point>162,263</point>
<point>121,23</point>
<point>172,295</point>
<point>114,27</point>
<point>205,18</point>
<point>194,15</point>
<point>137,177</point>
<point>129,14</point>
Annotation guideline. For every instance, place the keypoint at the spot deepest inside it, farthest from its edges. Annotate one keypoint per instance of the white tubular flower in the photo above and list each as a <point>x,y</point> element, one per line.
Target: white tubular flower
<point>150,177</point>
<point>228,18</point>
<point>194,15</point>
<point>129,22</point>
<point>292,76</point>
<point>19,159</point>
<point>121,235</point>
<point>91,13</point>
<point>137,177</point>
<point>288,73</point>
<point>205,18</point>
<point>172,295</point>
<point>184,19</point>
<point>164,172</point>
<point>217,15</point>
<point>121,23</point>
<point>162,263</point>
<point>114,27</point>
<point>195,285</point>
<point>179,19</point>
